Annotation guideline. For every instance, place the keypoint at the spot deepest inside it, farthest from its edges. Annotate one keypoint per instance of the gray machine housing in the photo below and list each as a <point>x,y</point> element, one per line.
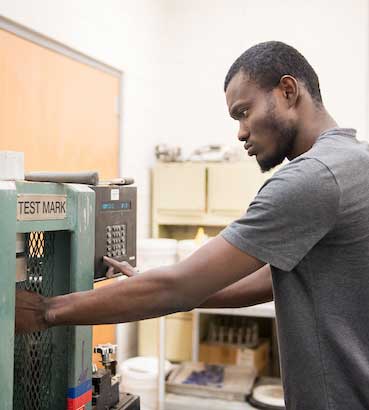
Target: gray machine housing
<point>115,225</point>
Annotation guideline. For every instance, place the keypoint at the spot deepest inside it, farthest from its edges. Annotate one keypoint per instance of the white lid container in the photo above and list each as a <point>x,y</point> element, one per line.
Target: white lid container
<point>160,245</point>
<point>156,252</point>
<point>185,248</point>
<point>11,165</point>
<point>140,377</point>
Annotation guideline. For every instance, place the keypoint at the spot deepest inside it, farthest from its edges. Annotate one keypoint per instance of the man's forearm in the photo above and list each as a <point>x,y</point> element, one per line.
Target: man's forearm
<point>141,297</point>
<point>160,291</point>
<point>251,290</point>
<point>152,294</point>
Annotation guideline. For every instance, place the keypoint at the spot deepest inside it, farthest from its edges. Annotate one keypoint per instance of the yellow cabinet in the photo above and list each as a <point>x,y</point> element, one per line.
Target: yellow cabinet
<point>232,187</point>
<point>185,197</point>
<point>178,341</point>
<point>180,188</point>
<point>203,194</point>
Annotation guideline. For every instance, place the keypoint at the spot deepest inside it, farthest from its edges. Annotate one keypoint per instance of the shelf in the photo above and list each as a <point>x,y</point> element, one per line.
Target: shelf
<point>179,402</point>
<point>262,310</point>
<point>180,218</point>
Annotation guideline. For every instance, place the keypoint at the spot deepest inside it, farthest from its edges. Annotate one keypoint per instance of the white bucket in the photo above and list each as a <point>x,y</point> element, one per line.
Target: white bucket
<point>140,377</point>
<point>156,252</point>
<point>185,248</point>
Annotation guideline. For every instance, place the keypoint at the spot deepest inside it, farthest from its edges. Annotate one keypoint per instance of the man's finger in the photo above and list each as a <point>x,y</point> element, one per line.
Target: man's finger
<point>112,262</point>
<point>110,272</point>
<point>30,311</point>
<point>123,267</point>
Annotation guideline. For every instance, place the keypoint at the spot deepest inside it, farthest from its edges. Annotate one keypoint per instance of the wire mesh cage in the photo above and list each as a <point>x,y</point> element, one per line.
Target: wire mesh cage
<point>45,370</point>
<point>33,352</point>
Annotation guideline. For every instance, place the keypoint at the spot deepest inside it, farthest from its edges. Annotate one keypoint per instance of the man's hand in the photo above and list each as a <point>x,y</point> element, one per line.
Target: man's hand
<point>123,267</point>
<point>30,311</point>
<point>34,312</point>
<point>156,292</point>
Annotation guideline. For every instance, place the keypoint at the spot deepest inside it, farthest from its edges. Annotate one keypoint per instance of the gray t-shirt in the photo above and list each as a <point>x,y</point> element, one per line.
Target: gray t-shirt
<point>310,222</point>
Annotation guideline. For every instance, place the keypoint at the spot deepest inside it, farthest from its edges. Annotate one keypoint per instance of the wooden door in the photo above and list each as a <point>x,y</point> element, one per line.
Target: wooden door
<point>60,112</point>
<point>63,114</point>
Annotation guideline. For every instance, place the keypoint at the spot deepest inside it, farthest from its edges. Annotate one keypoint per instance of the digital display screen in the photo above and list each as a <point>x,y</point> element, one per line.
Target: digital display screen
<point>115,206</point>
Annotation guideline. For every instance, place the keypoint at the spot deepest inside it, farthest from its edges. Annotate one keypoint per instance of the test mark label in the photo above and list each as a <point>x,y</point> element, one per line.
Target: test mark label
<point>41,207</point>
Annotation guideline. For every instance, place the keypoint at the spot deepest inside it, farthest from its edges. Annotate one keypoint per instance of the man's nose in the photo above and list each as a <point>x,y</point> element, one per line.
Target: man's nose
<point>243,133</point>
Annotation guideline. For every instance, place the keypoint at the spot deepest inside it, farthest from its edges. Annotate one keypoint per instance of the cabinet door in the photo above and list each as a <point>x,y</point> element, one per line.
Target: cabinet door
<point>61,113</point>
<point>178,343</point>
<point>231,187</point>
<point>180,188</point>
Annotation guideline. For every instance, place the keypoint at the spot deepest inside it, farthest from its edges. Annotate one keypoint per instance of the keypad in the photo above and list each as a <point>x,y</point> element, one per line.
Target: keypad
<point>116,240</point>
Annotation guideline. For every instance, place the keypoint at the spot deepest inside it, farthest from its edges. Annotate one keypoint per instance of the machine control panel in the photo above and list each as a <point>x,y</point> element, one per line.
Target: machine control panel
<point>116,240</point>
<point>115,225</point>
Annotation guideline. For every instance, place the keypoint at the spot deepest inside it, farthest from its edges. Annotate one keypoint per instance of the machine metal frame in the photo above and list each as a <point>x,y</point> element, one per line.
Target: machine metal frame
<point>73,268</point>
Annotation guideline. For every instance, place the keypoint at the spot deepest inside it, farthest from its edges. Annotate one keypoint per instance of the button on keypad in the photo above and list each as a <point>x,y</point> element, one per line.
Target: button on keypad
<point>116,240</point>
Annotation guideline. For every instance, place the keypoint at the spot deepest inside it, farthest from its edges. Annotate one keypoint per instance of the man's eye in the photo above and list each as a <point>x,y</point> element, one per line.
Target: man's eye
<point>243,114</point>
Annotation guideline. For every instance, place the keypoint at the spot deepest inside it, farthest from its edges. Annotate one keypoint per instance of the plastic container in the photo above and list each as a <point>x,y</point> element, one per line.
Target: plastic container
<point>185,248</point>
<point>140,377</point>
<point>11,166</point>
<point>188,246</point>
<point>156,252</point>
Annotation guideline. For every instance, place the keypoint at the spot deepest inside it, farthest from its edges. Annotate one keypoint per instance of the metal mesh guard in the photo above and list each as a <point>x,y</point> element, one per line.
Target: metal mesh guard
<point>33,352</point>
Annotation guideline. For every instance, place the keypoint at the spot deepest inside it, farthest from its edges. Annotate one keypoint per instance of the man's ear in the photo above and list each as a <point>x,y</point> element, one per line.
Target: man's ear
<point>290,89</point>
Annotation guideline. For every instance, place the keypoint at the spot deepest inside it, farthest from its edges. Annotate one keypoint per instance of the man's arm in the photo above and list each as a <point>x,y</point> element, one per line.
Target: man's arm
<point>160,291</point>
<point>251,290</point>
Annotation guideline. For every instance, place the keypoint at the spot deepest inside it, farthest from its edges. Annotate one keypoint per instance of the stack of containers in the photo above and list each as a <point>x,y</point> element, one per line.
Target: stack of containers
<point>152,253</point>
<point>140,374</point>
<point>140,377</point>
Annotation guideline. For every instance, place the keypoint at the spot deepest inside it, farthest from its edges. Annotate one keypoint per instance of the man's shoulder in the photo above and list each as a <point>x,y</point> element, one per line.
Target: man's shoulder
<point>302,166</point>
<point>333,150</point>
<point>301,178</point>
<point>338,146</point>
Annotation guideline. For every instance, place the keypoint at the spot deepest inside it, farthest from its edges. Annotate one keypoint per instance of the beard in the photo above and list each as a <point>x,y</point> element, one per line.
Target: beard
<point>284,135</point>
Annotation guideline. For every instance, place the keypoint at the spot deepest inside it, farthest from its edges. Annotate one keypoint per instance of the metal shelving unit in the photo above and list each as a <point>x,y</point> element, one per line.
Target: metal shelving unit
<point>266,310</point>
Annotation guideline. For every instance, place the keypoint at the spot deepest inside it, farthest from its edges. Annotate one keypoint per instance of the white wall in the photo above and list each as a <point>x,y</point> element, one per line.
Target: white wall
<point>124,34</point>
<point>175,54</point>
<point>207,36</point>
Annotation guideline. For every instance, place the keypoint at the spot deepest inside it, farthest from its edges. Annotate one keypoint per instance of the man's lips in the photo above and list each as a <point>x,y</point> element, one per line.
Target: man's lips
<point>250,149</point>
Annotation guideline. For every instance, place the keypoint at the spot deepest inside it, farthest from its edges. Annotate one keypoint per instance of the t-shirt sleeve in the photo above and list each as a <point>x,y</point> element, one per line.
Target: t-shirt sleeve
<point>292,211</point>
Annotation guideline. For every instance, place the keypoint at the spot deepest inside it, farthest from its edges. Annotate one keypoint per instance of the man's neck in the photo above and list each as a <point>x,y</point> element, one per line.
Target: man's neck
<point>313,124</point>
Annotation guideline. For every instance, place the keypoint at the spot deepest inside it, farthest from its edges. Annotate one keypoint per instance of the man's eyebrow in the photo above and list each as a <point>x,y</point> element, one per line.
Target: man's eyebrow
<point>235,108</point>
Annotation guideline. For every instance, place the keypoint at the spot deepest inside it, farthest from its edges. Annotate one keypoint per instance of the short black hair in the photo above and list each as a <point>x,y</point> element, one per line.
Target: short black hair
<point>266,63</point>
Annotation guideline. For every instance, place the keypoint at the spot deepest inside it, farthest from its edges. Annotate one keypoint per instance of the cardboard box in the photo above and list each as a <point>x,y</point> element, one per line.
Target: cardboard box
<point>217,353</point>
<point>216,382</point>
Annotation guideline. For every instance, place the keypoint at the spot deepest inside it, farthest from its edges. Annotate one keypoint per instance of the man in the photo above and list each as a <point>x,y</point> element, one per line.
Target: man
<point>308,226</point>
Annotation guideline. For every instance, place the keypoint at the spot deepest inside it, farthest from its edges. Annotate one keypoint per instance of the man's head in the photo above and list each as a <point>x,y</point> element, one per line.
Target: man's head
<point>264,89</point>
